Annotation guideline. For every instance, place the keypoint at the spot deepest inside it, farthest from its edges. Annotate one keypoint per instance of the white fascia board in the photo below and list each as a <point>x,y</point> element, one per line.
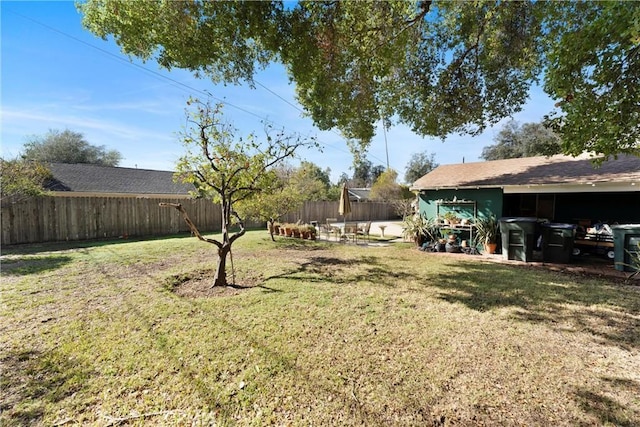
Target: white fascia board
<point>587,187</point>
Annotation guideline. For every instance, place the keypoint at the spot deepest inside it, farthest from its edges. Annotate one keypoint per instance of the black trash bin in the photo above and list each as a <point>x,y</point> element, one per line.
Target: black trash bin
<point>518,237</point>
<point>557,242</point>
<point>626,239</point>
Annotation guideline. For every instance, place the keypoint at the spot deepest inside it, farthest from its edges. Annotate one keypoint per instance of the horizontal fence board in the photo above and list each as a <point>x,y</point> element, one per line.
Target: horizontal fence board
<point>60,218</point>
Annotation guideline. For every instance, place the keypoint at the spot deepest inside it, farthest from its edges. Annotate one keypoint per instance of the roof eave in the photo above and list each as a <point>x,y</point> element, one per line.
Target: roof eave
<point>458,187</point>
<point>578,187</point>
<point>100,194</point>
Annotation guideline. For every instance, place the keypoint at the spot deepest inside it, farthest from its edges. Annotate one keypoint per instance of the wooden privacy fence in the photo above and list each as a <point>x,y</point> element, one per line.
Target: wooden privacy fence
<point>59,218</point>
<point>55,218</point>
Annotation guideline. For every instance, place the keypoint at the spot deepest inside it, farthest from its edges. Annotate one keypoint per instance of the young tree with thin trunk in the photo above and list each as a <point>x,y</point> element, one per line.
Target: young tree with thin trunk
<point>272,203</point>
<point>228,170</point>
<point>386,188</point>
<point>289,190</point>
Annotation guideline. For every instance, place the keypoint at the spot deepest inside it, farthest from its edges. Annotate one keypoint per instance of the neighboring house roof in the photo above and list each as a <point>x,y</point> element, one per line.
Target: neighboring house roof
<point>551,171</point>
<point>94,179</point>
<point>359,194</point>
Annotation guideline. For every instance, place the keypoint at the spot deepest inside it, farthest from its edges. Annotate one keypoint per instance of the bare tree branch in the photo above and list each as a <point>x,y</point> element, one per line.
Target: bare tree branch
<point>190,223</point>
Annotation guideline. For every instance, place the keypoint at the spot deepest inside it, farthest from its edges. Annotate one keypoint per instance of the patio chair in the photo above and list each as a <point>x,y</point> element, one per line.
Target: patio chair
<point>328,230</point>
<point>351,231</point>
<point>364,231</point>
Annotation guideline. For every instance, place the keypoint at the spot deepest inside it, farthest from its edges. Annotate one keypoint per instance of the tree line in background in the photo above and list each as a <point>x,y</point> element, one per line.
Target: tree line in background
<point>68,146</point>
<point>307,179</point>
<point>526,140</point>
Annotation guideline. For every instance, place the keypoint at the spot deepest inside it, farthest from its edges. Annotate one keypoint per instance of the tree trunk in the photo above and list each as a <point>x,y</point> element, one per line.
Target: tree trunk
<point>270,226</point>
<point>220,278</point>
<point>224,247</point>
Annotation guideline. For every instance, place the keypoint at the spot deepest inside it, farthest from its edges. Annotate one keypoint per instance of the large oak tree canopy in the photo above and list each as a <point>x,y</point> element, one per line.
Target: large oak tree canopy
<point>439,67</point>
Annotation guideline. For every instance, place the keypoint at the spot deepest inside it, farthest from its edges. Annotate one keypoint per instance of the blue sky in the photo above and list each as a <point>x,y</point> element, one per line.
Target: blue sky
<point>56,75</point>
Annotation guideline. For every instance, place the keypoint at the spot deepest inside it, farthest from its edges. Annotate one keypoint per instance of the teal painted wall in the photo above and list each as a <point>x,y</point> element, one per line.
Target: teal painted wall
<point>623,208</point>
<point>489,201</point>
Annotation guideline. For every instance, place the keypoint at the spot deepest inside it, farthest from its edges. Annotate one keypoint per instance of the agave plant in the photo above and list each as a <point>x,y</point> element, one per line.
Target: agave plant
<point>487,229</point>
<point>634,261</point>
<point>418,228</point>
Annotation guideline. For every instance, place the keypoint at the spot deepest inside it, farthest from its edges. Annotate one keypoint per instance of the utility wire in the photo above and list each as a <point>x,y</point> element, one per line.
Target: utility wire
<point>332,130</point>
<point>175,83</point>
<point>180,85</point>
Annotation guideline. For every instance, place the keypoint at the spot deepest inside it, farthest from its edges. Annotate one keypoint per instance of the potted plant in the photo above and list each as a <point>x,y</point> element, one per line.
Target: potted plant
<point>487,233</point>
<point>448,234</point>
<point>288,229</point>
<point>312,232</point>
<point>451,218</point>
<point>419,229</point>
<point>304,231</point>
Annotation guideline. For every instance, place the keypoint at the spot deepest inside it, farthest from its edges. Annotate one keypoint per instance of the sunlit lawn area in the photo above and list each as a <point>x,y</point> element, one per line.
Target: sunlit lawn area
<point>326,334</point>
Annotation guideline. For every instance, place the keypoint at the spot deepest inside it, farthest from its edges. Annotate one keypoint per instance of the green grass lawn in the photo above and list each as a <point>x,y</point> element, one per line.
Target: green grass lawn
<point>316,333</point>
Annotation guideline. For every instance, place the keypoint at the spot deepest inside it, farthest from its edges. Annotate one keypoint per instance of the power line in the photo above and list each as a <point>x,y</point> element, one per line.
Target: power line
<point>183,86</point>
<point>156,74</point>
<point>332,130</point>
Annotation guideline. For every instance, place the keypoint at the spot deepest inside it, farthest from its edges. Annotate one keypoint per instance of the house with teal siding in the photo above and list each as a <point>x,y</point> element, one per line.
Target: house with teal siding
<point>557,188</point>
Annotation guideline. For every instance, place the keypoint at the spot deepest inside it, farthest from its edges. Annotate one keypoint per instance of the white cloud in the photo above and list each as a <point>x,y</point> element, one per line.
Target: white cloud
<point>20,119</point>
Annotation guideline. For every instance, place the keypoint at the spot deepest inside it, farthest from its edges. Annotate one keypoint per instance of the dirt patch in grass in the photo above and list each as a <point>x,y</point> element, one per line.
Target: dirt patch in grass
<point>199,284</point>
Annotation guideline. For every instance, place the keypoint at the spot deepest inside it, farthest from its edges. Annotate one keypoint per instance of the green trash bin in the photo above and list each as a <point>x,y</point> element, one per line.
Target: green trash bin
<point>557,242</point>
<point>518,237</point>
<point>626,239</point>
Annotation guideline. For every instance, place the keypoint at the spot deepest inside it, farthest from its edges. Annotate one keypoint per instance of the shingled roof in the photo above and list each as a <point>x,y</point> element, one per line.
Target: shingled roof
<point>359,194</point>
<point>552,170</point>
<point>86,178</point>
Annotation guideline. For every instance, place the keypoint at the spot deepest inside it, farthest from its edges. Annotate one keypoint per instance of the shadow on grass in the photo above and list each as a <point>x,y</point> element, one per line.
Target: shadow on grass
<point>592,306</point>
<point>199,284</point>
<point>607,410</point>
<point>605,311</point>
<point>22,266</point>
<point>31,380</point>
<point>333,270</point>
<point>42,378</point>
<point>34,248</point>
<point>301,244</point>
